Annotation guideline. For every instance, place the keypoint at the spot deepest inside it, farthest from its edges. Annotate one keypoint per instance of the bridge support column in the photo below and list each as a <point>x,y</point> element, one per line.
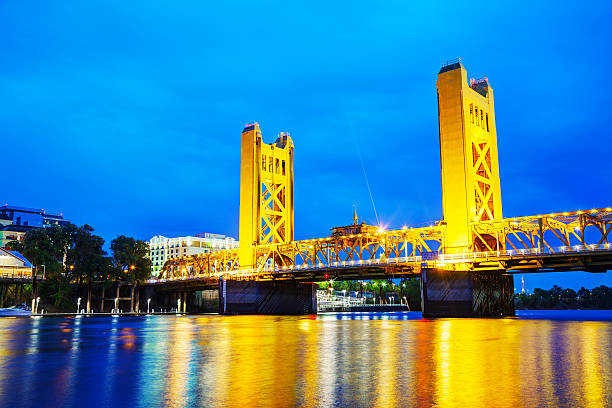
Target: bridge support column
<point>466,294</point>
<point>266,297</point>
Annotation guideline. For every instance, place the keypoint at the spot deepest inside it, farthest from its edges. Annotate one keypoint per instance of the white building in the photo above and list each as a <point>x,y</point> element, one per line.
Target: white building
<point>14,265</point>
<point>162,248</point>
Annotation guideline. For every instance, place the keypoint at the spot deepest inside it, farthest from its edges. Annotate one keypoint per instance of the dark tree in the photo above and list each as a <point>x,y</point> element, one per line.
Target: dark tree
<point>130,256</point>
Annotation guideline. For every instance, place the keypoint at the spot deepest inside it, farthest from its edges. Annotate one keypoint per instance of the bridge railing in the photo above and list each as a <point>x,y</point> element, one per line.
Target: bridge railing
<point>470,256</point>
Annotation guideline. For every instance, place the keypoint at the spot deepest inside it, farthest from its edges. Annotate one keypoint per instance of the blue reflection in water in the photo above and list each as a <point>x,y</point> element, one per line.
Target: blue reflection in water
<point>540,358</point>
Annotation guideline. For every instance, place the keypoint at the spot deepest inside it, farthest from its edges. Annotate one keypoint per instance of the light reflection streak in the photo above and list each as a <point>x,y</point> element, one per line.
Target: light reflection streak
<point>594,368</point>
<point>31,359</point>
<point>385,395</point>
<point>111,357</point>
<point>326,353</point>
<point>443,335</point>
<point>178,363</point>
<point>535,368</point>
<point>156,351</point>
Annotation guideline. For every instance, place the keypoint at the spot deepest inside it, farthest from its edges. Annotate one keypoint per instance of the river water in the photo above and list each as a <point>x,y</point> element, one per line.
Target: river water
<point>538,359</point>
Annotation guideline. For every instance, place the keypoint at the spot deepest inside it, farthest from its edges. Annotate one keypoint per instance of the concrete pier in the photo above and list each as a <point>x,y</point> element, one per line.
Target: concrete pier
<point>266,297</point>
<point>466,294</point>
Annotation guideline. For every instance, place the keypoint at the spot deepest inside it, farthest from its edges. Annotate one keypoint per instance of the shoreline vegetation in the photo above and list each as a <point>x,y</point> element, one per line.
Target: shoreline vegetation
<point>73,259</point>
<point>557,298</point>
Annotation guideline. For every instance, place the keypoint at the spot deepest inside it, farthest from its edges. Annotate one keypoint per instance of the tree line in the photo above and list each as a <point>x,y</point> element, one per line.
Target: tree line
<point>73,259</point>
<point>559,298</point>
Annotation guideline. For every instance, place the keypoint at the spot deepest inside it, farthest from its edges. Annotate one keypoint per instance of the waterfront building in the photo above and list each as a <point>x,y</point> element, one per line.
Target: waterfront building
<point>162,248</point>
<point>5,220</point>
<point>14,265</point>
<point>30,217</point>
<point>16,221</point>
<point>11,233</point>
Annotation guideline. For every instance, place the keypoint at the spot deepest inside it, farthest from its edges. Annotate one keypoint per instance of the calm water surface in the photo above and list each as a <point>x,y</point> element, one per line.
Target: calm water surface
<point>538,359</point>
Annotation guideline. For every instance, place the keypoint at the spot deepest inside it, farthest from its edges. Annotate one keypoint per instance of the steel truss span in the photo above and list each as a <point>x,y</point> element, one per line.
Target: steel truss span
<point>577,241</point>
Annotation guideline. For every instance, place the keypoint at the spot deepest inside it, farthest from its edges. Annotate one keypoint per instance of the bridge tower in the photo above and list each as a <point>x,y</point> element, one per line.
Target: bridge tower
<point>468,154</point>
<point>266,217</point>
<point>470,193</point>
<point>266,192</point>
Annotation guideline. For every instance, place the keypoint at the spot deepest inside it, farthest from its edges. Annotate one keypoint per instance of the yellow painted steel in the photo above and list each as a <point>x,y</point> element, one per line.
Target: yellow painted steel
<point>472,236</point>
<point>468,154</point>
<point>266,193</point>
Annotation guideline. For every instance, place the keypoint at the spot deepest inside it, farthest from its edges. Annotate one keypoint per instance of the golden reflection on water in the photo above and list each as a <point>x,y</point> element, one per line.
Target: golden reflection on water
<point>251,361</point>
<point>287,361</point>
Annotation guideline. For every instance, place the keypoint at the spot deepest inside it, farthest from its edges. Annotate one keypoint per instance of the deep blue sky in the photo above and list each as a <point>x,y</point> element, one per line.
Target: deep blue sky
<point>127,114</point>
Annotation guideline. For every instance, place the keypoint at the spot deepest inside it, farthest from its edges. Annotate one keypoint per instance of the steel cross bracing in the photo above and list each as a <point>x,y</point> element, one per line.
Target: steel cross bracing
<point>578,240</point>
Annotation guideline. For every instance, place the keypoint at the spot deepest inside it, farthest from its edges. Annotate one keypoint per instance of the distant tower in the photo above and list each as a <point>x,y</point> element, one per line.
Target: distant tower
<point>266,193</point>
<point>522,284</point>
<point>468,155</point>
<point>355,218</point>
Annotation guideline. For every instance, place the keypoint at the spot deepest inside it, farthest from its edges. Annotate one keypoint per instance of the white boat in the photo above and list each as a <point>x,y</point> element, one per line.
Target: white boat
<point>14,311</point>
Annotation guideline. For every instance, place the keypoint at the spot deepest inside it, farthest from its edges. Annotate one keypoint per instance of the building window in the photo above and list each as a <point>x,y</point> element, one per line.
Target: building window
<point>283,167</point>
<point>263,162</point>
<point>277,166</point>
<point>476,110</point>
<point>487,117</point>
<point>481,119</point>
<point>472,113</point>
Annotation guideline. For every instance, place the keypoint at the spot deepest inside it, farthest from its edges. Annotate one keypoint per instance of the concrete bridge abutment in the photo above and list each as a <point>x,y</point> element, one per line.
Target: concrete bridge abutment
<point>466,294</point>
<point>267,297</point>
